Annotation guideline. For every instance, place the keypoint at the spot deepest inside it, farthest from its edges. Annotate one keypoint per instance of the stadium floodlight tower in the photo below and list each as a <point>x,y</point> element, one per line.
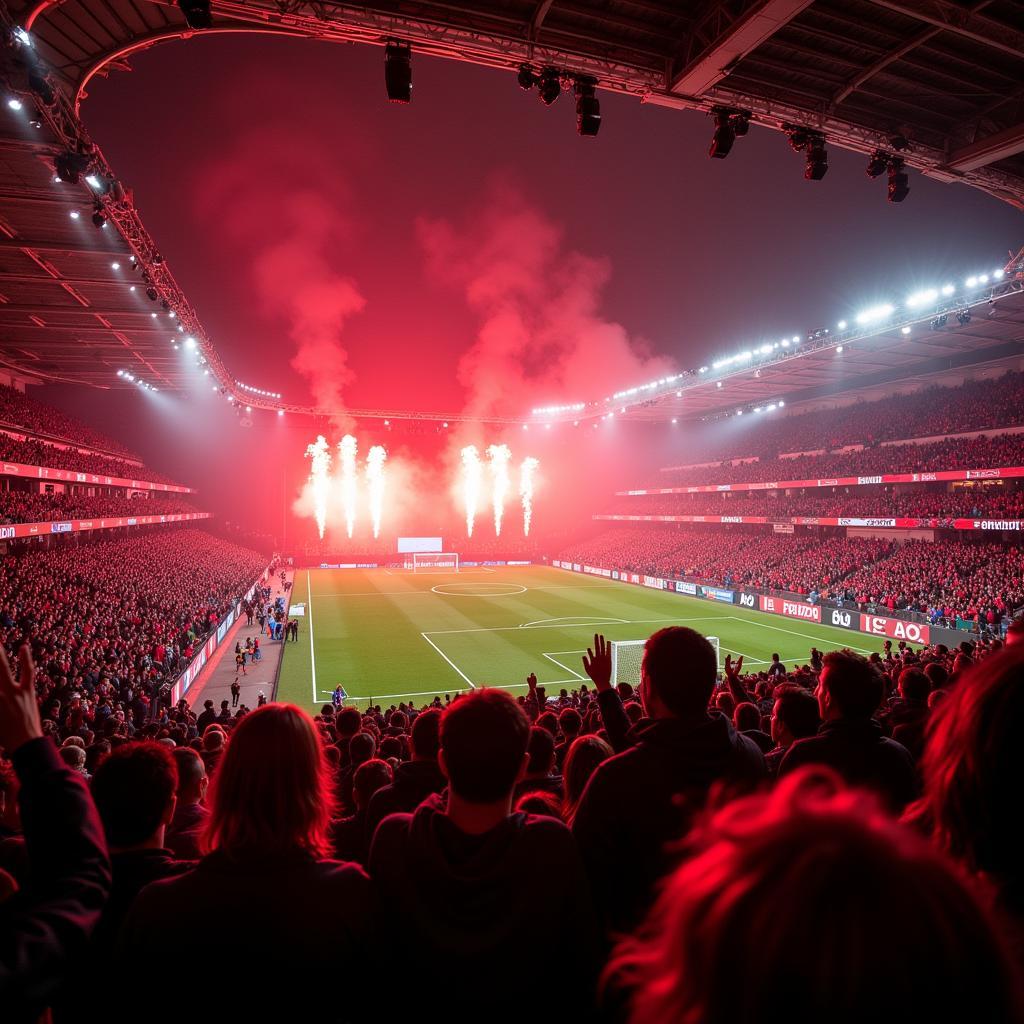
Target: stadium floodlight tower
<point>627,655</point>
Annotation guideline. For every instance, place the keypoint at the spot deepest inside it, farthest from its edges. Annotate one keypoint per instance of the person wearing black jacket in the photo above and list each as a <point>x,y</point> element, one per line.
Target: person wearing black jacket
<point>850,741</point>
<point>414,780</point>
<point>639,801</point>
<point>45,927</point>
<point>462,900</point>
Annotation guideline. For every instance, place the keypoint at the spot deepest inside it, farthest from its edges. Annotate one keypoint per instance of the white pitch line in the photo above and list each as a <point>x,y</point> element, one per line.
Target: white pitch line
<point>418,593</point>
<point>574,620</point>
<point>571,671</point>
<point>459,689</point>
<point>312,655</point>
<point>559,625</point>
<point>472,685</point>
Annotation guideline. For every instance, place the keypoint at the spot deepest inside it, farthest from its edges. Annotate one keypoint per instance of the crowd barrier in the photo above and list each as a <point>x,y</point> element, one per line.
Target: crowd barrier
<point>15,530</point>
<point>823,613</point>
<point>1003,473</point>
<point>191,671</point>
<point>73,476</point>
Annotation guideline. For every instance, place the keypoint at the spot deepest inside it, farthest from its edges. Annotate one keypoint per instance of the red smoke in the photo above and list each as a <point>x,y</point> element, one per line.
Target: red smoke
<point>542,339</point>
<point>290,242</point>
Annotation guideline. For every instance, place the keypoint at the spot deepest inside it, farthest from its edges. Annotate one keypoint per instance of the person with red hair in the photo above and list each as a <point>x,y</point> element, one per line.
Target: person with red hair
<point>265,887</point>
<point>811,904</point>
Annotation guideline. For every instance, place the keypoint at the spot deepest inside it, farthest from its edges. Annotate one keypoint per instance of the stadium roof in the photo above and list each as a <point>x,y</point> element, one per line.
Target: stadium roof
<point>935,82</point>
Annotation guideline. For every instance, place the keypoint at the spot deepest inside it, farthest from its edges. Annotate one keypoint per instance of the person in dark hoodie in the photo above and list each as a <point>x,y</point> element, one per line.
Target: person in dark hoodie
<point>414,780</point>
<point>458,885</point>
<point>850,741</point>
<point>639,801</point>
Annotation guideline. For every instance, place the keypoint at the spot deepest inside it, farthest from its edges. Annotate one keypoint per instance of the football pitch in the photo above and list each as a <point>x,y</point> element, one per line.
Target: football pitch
<point>389,635</point>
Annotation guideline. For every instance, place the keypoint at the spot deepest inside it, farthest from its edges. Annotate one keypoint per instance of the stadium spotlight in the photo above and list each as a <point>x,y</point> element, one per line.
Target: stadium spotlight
<point>74,215</point>
<point>730,125</point>
<point>899,187</point>
<point>99,217</point>
<point>724,137</point>
<point>841,325</point>
<point>817,159</point>
<point>14,103</point>
<point>527,77</point>
<point>588,108</point>
<point>398,71</point>
<point>878,163</point>
<point>839,350</point>
<point>904,330</point>
<point>70,166</point>
<point>197,13</point>
<point>550,86</point>
<point>280,412</point>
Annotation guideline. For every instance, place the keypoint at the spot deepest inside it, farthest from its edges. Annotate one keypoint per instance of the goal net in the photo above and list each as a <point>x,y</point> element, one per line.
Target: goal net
<point>433,561</point>
<point>627,655</point>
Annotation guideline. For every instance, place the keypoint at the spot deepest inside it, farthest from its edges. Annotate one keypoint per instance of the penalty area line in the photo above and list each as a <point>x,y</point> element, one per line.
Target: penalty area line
<point>472,685</point>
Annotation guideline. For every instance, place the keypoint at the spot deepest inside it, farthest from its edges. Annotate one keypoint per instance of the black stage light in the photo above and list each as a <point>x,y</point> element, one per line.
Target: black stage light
<point>550,86</point>
<point>152,294</point>
<point>99,217</point>
<point>799,138</point>
<point>527,78</point>
<point>70,166</point>
<point>877,164</point>
<point>724,137</point>
<point>817,159</point>
<point>398,72</point>
<point>740,123</point>
<point>588,108</point>
<point>197,13</point>
<point>899,186</point>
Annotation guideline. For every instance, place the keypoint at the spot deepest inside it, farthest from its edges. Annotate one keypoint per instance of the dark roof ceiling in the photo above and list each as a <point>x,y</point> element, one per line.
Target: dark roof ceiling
<point>947,76</point>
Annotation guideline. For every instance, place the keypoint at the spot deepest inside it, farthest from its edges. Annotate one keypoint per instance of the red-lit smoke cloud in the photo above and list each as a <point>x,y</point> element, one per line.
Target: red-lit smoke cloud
<point>292,244</point>
<point>542,337</point>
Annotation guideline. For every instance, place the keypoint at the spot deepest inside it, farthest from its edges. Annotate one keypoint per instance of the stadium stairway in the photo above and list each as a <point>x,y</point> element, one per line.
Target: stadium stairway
<point>215,682</point>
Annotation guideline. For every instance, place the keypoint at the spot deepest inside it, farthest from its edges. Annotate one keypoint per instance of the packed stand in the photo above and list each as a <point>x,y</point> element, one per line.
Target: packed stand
<point>18,409</point>
<point>986,502</point>
<point>38,453</point>
<point>650,836</point>
<point>111,623</point>
<point>33,507</point>
<point>988,405</point>
<point>942,581</point>
<point>998,452</point>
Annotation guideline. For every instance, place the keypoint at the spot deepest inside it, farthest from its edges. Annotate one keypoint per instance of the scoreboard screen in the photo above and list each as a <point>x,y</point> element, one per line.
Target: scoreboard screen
<point>408,545</point>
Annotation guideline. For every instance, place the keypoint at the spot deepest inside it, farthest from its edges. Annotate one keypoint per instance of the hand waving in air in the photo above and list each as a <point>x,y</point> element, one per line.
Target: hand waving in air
<point>733,669</point>
<point>597,663</point>
<point>19,712</point>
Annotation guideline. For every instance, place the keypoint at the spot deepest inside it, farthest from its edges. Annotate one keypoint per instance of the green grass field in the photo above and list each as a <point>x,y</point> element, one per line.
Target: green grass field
<point>392,635</point>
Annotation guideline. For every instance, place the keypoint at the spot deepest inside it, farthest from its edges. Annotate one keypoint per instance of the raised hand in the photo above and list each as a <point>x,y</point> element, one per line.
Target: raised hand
<point>597,663</point>
<point>733,669</point>
<point>19,711</point>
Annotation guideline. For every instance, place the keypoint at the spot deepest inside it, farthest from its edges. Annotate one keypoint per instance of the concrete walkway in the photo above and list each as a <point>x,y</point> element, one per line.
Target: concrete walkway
<point>215,682</point>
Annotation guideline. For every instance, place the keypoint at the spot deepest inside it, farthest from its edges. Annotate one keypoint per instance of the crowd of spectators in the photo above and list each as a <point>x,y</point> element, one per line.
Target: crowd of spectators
<point>32,452</point>
<point>944,581</point>
<point>832,840</point>
<point>933,412</point>
<point>34,507</point>
<point>989,502</point>
<point>984,452</point>
<point>19,410</point>
<point>111,622</point>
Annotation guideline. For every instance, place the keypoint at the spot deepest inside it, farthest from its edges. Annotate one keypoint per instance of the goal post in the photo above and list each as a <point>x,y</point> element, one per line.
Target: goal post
<point>434,561</point>
<point>627,655</point>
